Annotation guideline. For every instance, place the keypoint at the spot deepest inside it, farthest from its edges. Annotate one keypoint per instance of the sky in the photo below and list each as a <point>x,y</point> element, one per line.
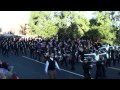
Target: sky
<point>9,19</point>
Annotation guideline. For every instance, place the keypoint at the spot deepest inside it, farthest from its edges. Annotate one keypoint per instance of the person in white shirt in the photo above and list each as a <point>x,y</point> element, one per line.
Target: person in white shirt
<point>50,66</point>
<point>97,55</point>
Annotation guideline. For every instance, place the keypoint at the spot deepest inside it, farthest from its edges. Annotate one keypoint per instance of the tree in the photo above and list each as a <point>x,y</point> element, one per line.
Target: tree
<point>74,24</point>
<point>115,18</point>
<point>102,26</point>
<point>41,23</point>
<point>49,23</point>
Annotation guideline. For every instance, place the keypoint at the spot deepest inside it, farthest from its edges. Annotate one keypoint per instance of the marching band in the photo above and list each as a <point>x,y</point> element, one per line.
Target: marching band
<point>65,51</point>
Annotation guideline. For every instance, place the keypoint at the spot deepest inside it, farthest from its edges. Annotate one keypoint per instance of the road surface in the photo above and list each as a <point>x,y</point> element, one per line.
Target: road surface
<point>28,68</point>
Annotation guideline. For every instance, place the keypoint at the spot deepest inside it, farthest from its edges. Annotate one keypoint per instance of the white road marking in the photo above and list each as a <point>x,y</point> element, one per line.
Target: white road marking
<point>61,68</point>
<point>33,60</point>
<point>72,73</point>
<point>114,68</point>
<point>111,68</point>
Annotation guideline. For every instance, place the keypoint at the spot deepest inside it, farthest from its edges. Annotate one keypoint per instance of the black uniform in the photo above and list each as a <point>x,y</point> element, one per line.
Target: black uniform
<point>82,54</point>
<point>116,56</point>
<point>39,54</point>
<point>72,61</point>
<point>103,67</point>
<point>31,51</point>
<point>108,62</point>
<point>16,49</point>
<point>64,57</point>
<point>113,54</point>
<point>99,70</point>
<point>87,66</point>
<point>51,65</point>
<point>51,69</point>
<point>6,50</point>
<point>119,56</point>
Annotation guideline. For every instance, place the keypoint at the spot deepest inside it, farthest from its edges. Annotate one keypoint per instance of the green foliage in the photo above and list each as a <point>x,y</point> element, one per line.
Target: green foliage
<point>49,23</point>
<point>73,24</point>
<point>101,27</point>
<point>41,23</point>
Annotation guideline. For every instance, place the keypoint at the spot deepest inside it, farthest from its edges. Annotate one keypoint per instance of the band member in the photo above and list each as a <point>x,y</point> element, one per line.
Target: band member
<point>16,49</point>
<point>119,55</point>
<point>6,50</point>
<point>108,62</point>
<point>113,56</point>
<point>64,57</point>
<point>50,66</point>
<point>103,67</point>
<point>98,70</point>
<point>87,66</point>
<point>72,61</point>
<point>116,56</point>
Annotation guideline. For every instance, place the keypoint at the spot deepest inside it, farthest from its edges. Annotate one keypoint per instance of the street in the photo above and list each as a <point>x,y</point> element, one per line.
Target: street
<point>27,68</point>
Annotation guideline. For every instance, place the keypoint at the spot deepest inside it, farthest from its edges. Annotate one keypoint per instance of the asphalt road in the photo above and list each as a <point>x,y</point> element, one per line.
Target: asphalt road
<point>27,68</point>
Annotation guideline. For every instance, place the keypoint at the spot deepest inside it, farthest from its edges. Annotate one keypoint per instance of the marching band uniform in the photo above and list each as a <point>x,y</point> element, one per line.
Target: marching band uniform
<point>87,66</point>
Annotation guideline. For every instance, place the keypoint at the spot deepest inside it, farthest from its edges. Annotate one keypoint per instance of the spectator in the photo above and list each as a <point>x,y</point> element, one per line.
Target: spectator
<point>10,72</point>
<point>2,76</point>
<point>14,76</point>
<point>5,65</point>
